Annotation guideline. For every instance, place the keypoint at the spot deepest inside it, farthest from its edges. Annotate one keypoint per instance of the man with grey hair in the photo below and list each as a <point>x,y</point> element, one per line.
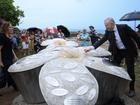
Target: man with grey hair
<point>122,44</point>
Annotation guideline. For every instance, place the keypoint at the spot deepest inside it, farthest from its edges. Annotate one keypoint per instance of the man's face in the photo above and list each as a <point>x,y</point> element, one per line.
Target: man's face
<point>109,26</point>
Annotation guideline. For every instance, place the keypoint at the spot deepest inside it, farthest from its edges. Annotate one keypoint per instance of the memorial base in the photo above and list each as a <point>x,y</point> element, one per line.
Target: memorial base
<point>20,101</point>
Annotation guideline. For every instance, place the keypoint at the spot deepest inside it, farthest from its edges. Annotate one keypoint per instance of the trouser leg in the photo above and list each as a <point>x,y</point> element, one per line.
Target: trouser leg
<point>130,69</point>
<point>9,79</point>
<point>117,58</point>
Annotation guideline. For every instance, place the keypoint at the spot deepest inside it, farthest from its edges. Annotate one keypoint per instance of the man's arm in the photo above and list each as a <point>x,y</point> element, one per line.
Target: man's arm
<point>134,35</point>
<point>100,42</point>
<point>97,44</point>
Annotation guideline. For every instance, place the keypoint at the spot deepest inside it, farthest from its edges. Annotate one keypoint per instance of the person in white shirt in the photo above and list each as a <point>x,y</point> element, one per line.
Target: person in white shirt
<point>122,44</point>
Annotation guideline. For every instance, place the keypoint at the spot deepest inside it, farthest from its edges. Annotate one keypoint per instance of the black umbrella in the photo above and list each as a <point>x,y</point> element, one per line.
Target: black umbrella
<point>132,16</point>
<point>64,30</point>
<point>34,29</point>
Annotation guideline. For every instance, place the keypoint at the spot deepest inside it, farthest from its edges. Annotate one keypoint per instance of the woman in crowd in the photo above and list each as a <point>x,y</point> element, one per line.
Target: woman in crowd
<point>83,38</point>
<point>6,52</point>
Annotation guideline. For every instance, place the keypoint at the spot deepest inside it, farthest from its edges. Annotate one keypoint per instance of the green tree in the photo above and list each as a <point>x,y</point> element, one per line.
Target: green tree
<point>9,12</point>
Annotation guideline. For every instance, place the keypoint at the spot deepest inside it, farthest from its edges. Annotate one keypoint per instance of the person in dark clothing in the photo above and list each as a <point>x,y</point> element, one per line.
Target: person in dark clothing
<point>14,41</point>
<point>1,23</point>
<point>6,53</point>
<point>123,41</point>
<point>138,32</point>
<point>37,42</point>
<point>93,35</point>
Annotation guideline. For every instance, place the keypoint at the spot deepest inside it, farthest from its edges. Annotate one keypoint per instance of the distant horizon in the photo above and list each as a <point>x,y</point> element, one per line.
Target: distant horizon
<point>73,30</point>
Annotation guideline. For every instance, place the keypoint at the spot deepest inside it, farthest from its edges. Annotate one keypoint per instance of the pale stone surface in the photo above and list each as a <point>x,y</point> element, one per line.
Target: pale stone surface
<point>98,64</point>
<point>67,72</point>
<point>31,62</point>
<point>67,87</point>
<point>99,52</point>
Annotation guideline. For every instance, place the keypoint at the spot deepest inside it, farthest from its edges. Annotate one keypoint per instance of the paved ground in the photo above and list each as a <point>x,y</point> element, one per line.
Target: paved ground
<point>8,95</point>
<point>137,97</point>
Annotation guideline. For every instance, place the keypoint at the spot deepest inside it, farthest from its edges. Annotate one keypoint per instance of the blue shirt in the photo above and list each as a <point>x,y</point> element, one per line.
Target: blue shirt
<point>84,39</point>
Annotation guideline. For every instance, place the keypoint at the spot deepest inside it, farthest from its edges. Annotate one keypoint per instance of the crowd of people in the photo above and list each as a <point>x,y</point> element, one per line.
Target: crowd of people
<point>122,44</point>
<point>85,38</point>
<point>27,41</point>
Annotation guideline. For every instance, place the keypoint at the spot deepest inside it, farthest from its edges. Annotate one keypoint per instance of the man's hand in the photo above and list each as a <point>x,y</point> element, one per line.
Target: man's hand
<point>87,49</point>
<point>1,64</point>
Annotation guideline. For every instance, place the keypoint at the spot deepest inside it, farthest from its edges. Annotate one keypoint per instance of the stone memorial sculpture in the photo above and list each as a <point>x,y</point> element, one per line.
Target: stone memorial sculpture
<point>67,82</point>
<point>112,80</point>
<point>69,76</point>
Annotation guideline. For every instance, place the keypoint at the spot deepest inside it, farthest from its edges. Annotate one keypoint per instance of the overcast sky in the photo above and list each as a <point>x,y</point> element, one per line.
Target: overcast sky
<point>75,14</point>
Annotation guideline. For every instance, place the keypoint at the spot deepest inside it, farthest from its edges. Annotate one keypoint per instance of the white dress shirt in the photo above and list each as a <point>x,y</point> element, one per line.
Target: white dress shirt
<point>119,42</point>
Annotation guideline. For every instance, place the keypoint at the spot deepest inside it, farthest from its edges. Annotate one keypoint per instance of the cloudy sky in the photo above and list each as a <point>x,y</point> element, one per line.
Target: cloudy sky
<point>75,14</point>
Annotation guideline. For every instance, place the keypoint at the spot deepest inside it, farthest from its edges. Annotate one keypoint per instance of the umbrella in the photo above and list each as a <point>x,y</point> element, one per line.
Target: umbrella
<point>55,30</point>
<point>64,30</point>
<point>132,16</point>
<point>48,30</point>
<point>34,29</point>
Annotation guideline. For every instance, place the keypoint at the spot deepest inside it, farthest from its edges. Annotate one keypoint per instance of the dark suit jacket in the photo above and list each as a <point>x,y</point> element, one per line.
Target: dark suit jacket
<point>129,38</point>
